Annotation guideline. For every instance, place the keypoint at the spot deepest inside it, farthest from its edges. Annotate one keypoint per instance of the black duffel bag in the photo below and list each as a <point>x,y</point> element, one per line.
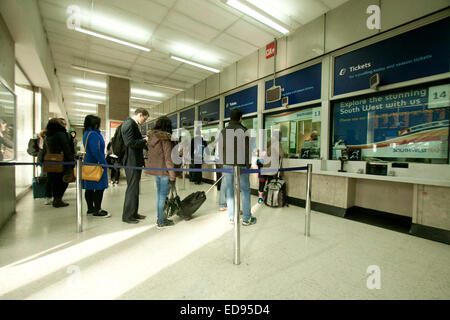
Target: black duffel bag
<point>172,204</point>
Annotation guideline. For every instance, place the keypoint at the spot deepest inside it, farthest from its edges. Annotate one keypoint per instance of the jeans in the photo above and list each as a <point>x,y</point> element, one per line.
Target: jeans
<point>222,194</point>
<point>245,193</point>
<point>162,187</point>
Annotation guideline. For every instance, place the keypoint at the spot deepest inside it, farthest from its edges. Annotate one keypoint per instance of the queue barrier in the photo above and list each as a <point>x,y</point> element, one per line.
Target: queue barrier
<point>236,171</point>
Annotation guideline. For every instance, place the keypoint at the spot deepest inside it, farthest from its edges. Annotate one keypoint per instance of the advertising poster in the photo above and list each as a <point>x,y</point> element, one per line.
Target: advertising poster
<point>411,123</point>
<point>7,124</point>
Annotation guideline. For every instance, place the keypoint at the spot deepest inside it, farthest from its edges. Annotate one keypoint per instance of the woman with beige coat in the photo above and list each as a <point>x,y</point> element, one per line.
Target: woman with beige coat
<point>159,156</point>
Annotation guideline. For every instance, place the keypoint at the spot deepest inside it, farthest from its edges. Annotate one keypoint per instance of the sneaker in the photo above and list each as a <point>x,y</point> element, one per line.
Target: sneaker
<point>90,212</point>
<point>164,224</point>
<point>250,221</point>
<point>48,201</point>
<point>102,214</point>
<point>231,221</point>
<point>260,200</point>
<point>223,209</point>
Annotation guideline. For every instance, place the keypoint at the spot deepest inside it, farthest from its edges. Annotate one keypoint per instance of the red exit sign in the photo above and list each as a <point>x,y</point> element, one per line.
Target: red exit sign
<point>271,49</point>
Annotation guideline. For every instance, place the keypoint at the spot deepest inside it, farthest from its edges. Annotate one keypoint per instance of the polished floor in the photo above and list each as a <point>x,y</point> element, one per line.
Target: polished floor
<point>42,256</point>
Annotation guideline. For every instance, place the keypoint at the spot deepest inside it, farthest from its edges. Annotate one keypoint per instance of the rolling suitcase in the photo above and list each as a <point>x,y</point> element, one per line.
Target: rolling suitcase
<point>39,187</point>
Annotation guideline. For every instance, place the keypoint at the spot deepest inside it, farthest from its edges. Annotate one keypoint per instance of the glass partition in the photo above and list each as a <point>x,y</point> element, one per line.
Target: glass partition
<point>7,124</point>
<point>300,132</point>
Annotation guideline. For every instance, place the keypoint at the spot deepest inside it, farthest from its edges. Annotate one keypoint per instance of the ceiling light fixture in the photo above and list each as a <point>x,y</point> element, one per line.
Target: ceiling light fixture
<point>90,96</point>
<point>102,36</point>
<point>144,99</point>
<point>146,92</point>
<point>257,14</point>
<point>96,71</point>
<point>86,69</point>
<point>91,83</point>
<point>85,104</point>
<point>195,64</point>
<point>89,90</point>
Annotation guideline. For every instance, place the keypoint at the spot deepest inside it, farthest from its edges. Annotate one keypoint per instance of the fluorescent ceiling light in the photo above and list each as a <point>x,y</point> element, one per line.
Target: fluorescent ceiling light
<point>86,69</point>
<point>195,64</point>
<point>90,96</point>
<point>84,110</point>
<point>89,90</point>
<point>248,10</point>
<point>96,71</point>
<point>85,104</point>
<point>146,92</point>
<point>162,86</point>
<point>143,99</point>
<point>102,36</point>
<point>91,83</point>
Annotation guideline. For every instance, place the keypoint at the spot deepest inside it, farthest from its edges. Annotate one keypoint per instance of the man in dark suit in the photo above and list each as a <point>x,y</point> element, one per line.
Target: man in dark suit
<point>133,157</point>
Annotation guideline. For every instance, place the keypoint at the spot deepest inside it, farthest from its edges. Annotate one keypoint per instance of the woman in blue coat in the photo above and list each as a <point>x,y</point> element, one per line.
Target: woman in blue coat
<point>94,146</point>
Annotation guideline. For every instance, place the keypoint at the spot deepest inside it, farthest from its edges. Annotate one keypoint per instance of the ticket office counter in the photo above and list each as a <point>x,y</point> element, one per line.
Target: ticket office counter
<point>421,193</point>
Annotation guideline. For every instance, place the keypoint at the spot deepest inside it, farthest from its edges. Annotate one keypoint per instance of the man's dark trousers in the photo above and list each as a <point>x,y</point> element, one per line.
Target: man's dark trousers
<point>131,205</point>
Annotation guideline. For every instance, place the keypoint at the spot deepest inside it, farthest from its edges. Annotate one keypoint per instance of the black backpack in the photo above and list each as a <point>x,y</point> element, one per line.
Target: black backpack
<point>118,146</point>
<point>33,147</point>
<point>275,193</point>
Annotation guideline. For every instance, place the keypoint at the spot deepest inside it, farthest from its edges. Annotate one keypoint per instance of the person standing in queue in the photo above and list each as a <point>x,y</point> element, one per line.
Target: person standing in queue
<point>160,156</point>
<point>94,146</point>
<point>57,141</point>
<point>133,157</point>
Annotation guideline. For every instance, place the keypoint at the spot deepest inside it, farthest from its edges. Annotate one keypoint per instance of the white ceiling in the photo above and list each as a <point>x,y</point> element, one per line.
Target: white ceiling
<point>206,31</point>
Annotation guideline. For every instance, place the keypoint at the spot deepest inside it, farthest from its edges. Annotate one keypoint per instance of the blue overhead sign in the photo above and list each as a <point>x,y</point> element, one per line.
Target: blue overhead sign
<point>209,111</point>
<point>299,86</point>
<point>187,117</point>
<point>246,100</point>
<point>174,119</point>
<point>415,54</point>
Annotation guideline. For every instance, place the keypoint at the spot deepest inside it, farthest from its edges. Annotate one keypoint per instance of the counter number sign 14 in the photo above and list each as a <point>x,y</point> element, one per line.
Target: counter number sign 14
<point>439,96</point>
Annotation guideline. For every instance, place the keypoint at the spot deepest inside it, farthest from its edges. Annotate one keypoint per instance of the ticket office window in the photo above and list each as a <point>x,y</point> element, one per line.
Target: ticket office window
<point>406,125</point>
<point>300,132</point>
<point>209,134</point>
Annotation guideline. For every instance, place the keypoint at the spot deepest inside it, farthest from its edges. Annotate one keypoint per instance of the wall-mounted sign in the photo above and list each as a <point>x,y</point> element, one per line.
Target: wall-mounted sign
<point>271,49</point>
<point>396,59</point>
<point>174,119</point>
<point>187,117</point>
<point>209,111</point>
<point>299,86</point>
<point>246,100</point>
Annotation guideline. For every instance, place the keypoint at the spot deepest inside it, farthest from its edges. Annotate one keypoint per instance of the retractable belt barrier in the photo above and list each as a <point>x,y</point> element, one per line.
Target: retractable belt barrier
<point>236,171</point>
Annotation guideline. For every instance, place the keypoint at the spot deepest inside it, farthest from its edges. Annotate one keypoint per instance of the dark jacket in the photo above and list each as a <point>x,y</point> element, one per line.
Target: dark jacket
<point>197,150</point>
<point>239,140</point>
<point>159,153</point>
<point>95,153</point>
<point>57,141</point>
<point>134,142</point>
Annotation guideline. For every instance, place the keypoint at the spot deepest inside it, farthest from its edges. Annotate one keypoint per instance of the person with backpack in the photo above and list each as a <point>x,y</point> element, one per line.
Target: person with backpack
<point>198,144</point>
<point>160,156</point>
<point>237,131</point>
<point>134,157</point>
<point>113,160</point>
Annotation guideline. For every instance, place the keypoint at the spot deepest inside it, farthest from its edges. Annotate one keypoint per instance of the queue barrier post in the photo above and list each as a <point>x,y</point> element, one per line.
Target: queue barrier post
<point>237,209</point>
<point>308,201</point>
<point>79,197</point>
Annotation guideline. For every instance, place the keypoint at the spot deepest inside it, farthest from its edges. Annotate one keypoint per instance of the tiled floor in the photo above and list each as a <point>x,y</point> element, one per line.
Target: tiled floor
<point>42,257</point>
